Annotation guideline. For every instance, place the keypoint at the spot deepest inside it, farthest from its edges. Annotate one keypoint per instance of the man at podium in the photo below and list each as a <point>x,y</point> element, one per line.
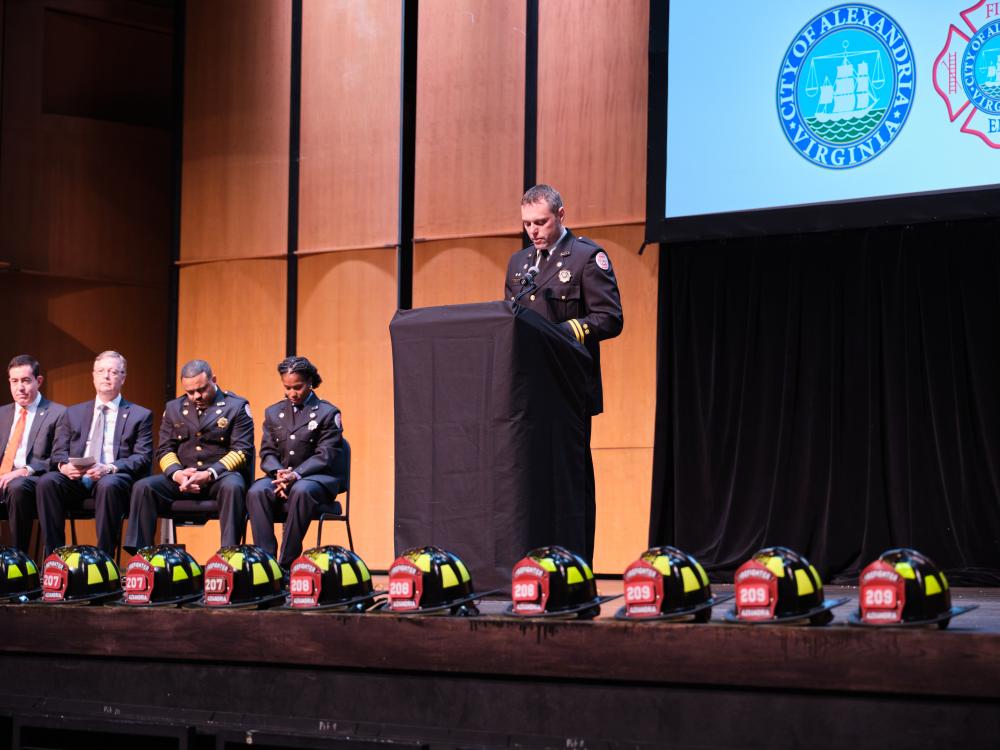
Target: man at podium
<point>569,281</point>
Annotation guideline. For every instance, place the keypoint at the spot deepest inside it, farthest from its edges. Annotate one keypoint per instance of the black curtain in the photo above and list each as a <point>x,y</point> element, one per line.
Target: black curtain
<point>834,393</point>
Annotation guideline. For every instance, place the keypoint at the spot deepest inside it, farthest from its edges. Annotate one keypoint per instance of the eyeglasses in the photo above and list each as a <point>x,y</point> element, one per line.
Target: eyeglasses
<point>112,372</point>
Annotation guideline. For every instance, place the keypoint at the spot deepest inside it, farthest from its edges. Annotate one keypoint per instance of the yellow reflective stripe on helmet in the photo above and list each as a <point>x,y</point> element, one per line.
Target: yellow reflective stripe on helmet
<point>701,573</point>
<point>690,580</point>
<point>235,560</point>
<point>573,575</point>
<point>587,573</point>
<point>195,568</point>
<point>259,574</point>
<point>548,564</point>
<point>423,562</point>
<point>180,574</point>
<point>14,572</point>
<point>31,567</point>
<point>168,460</point>
<point>662,564</point>
<point>463,571</point>
<point>366,574</point>
<point>320,558</point>
<point>347,575</point>
<point>944,581</point>
<point>816,578</point>
<point>275,570</point>
<point>73,560</point>
<point>448,577</point>
<point>158,561</point>
<point>112,570</point>
<point>776,566</point>
<point>803,582</point>
<point>94,575</point>
<point>905,570</point>
<point>931,585</point>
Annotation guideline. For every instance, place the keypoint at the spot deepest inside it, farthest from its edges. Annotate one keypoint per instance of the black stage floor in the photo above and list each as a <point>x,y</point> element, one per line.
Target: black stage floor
<point>488,682</point>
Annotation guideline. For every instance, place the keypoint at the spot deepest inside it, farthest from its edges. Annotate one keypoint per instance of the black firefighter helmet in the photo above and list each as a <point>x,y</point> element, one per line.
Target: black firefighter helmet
<point>243,576</point>
<point>80,573</point>
<point>19,580</point>
<point>161,575</point>
<point>552,581</point>
<point>330,577</point>
<point>904,587</point>
<point>428,580</point>
<point>667,583</point>
<point>779,585</point>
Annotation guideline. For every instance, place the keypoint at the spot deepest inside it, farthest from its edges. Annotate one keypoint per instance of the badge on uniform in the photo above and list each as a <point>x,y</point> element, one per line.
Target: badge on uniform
<point>565,275</point>
<point>313,424</point>
<point>222,422</point>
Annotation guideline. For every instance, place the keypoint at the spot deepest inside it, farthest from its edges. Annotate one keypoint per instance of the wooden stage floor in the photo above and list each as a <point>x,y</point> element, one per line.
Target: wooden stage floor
<point>490,681</point>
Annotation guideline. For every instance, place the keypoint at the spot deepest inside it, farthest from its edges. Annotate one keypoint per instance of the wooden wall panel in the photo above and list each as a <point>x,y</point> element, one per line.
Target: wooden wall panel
<point>349,169</point>
<point>236,124</point>
<point>592,93</point>
<point>470,117</point>
<point>232,314</point>
<point>346,300</point>
<point>623,493</point>
<point>453,272</point>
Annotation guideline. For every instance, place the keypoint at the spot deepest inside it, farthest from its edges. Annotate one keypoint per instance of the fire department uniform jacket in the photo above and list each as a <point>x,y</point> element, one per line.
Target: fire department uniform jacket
<point>220,440</point>
<point>306,440</point>
<point>577,288</point>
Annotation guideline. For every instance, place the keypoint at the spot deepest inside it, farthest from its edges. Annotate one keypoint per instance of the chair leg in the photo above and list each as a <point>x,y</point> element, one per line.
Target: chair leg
<point>350,539</point>
<point>72,530</point>
<point>319,532</point>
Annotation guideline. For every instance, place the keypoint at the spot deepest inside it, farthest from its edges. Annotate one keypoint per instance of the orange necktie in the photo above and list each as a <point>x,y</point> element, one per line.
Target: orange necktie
<point>14,443</point>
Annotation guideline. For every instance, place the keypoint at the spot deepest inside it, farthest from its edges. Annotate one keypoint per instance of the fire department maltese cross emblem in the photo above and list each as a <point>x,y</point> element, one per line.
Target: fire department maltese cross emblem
<point>967,72</point>
<point>845,86</point>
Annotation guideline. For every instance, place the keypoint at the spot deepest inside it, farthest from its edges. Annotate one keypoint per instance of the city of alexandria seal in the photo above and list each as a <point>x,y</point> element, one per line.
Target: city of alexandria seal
<point>967,72</point>
<point>845,86</point>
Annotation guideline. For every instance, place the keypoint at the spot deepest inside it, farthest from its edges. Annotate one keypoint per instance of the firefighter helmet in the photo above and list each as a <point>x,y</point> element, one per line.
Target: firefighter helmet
<point>80,573</point>
<point>18,576</point>
<point>904,587</point>
<point>779,585</point>
<point>552,581</point>
<point>666,583</point>
<point>430,579</point>
<point>243,576</point>
<point>330,577</point>
<point>161,575</point>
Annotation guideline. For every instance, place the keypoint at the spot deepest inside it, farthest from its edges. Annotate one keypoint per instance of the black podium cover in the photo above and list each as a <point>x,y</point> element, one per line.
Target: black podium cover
<point>491,409</point>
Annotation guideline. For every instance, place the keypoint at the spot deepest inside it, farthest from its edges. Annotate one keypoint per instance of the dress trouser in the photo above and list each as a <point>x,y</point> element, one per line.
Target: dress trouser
<point>154,495</point>
<point>57,492</point>
<point>590,501</point>
<point>303,497</point>
<point>19,497</point>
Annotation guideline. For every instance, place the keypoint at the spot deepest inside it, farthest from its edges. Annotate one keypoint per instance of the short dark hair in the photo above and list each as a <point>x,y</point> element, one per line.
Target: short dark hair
<point>540,193</point>
<point>24,359</point>
<point>196,367</point>
<point>302,366</point>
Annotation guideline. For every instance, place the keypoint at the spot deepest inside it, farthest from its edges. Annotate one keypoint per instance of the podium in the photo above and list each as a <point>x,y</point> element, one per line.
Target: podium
<point>491,408</point>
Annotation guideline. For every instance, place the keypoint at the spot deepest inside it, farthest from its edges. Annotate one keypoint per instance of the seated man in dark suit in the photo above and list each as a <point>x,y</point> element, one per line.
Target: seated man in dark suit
<point>118,436</point>
<point>27,428</point>
<point>205,453</point>
<point>299,442</point>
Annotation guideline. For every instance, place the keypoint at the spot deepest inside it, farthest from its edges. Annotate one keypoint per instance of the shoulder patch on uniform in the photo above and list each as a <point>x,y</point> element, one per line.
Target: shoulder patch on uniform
<point>338,421</point>
<point>246,408</point>
<point>602,261</point>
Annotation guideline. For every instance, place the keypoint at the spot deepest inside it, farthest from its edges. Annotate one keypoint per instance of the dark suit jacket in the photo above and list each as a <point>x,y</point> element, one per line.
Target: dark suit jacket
<point>307,442</point>
<point>133,444</point>
<point>578,284</point>
<point>43,430</point>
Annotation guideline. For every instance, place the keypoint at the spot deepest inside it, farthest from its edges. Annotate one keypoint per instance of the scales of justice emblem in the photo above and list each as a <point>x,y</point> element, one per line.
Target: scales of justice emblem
<point>967,72</point>
<point>845,86</point>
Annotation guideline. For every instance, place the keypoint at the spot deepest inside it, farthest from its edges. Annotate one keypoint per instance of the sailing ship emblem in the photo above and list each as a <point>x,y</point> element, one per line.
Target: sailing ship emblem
<point>845,86</point>
<point>967,72</point>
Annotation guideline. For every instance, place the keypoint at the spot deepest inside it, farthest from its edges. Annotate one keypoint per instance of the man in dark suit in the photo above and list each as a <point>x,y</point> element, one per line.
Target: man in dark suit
<point>300,440</point>
<point>205,453</point>
<point>117,436</point>
<point>568,280</point>
<point>27,428</point>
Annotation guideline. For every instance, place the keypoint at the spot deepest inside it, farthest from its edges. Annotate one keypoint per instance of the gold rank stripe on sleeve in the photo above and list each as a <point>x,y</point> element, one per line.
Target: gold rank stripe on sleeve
<point>169,460</point>
<point>577,329</point>
<point>233,460</point>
